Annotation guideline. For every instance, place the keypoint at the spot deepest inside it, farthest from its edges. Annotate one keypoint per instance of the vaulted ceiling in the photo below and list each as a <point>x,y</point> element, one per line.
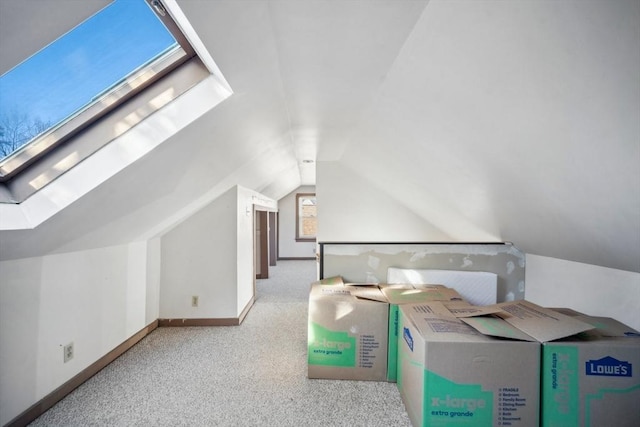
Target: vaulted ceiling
<point>522,116</point>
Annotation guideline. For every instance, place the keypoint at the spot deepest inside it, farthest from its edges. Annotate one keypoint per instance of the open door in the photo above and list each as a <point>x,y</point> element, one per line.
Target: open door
<point>273,236</point>
<point>262,244</point>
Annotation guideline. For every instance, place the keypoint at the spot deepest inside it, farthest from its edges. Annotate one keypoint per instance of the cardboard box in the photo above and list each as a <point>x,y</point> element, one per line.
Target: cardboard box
<point>449,374</point>
<point>592,379</point>
<point>335,280</point>
<point>477,287</point>
<point>489,354</point>
<point>568,311</point>
<point>524,320</point>
<point>406,294</point>
<point>347,333</point>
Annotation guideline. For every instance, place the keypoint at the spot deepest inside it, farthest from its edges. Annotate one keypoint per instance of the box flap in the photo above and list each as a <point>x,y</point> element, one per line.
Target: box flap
<point>429,309</point>
<point>335,280</point>
<point>329,290</point>
<point>477,287</point>
<point>608,327</point>
<point>541,323</point>
<point>434,320</point>
<point>460,310</point>
<point>566,310</point>
<point>367,292</point>
<point>395,285</point>
<point>363,284</point>
<point>604,326</point>
<point>406,296</point>
<point>494,326</point>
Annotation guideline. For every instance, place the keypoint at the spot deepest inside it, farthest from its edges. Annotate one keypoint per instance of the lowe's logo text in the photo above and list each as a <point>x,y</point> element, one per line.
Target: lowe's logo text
<point>408,338</point>
<point>608,366</point>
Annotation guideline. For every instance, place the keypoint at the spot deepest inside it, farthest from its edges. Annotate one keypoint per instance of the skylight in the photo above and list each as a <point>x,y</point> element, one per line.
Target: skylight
<point>82,75</point>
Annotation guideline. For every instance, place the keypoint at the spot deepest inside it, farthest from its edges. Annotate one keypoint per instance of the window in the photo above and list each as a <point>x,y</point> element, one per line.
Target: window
<point>306,217</point>
<point>83,75</point>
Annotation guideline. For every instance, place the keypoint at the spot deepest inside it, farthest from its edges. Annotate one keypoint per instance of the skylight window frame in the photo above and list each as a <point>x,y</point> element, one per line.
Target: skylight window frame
<point>110,99</point>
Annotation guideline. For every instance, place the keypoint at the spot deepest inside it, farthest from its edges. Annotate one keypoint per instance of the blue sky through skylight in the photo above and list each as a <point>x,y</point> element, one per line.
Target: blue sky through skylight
<point>66,75</point>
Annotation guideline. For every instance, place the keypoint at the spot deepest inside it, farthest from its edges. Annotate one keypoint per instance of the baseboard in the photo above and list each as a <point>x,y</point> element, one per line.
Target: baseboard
<point>40,407</point>
<point>230,321</point>
<point>296,258</point>
<point>219,321</point>
<point>246,309</point>
<point>58,394</point>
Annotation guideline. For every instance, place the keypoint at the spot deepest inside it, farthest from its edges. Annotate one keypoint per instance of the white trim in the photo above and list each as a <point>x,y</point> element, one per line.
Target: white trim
<point>185,26</point>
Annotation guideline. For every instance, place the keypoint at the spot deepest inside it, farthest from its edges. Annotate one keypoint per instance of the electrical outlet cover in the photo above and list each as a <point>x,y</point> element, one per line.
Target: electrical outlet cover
<point>68,352</point>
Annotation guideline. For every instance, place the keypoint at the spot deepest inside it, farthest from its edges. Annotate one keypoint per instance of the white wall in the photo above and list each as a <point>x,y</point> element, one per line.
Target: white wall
<point>198,259</point>
<point>210,255</point>
<point>99,298</point>
<point>352,208</point>
<point>288,247</point>
<point>96,299</point>
<point>247,201</point>
<point>516,120</point>
<point>153,280</point>
<point>590,289</point>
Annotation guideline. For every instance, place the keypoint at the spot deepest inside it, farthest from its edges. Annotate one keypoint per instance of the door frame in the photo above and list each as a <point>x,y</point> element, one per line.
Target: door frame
<point>261,245</point>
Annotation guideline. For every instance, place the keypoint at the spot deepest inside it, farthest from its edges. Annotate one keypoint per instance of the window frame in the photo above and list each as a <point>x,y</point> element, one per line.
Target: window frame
<point>300,196</point>
<point>45,145</point>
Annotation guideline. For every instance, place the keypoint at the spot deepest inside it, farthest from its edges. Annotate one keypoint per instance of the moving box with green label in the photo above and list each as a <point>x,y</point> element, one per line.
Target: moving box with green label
<point>592,379</point>
<point>347,332</point>
<point>397,295</point>
<point>475,366</point>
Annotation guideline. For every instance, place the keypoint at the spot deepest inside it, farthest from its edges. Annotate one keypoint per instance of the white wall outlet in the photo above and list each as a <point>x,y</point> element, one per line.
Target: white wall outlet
<point>194,301</point>
<point>67,352</point>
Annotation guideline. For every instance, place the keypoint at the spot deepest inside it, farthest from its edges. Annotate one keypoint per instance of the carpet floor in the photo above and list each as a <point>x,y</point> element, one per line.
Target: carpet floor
<point>254,374</point>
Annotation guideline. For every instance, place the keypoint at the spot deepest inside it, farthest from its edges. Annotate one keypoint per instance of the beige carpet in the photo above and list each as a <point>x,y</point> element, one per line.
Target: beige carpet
<point>248,375</point>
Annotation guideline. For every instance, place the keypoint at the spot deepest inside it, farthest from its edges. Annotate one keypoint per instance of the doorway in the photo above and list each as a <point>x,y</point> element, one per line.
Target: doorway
<point>261,246</point>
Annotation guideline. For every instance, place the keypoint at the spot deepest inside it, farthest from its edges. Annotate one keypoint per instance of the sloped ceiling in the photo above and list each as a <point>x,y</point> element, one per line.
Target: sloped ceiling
<point>523,117</point>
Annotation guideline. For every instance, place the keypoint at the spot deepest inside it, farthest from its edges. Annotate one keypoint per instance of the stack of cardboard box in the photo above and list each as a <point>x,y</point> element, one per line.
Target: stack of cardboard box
<point>353,328</point>
<point>509,364</point>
